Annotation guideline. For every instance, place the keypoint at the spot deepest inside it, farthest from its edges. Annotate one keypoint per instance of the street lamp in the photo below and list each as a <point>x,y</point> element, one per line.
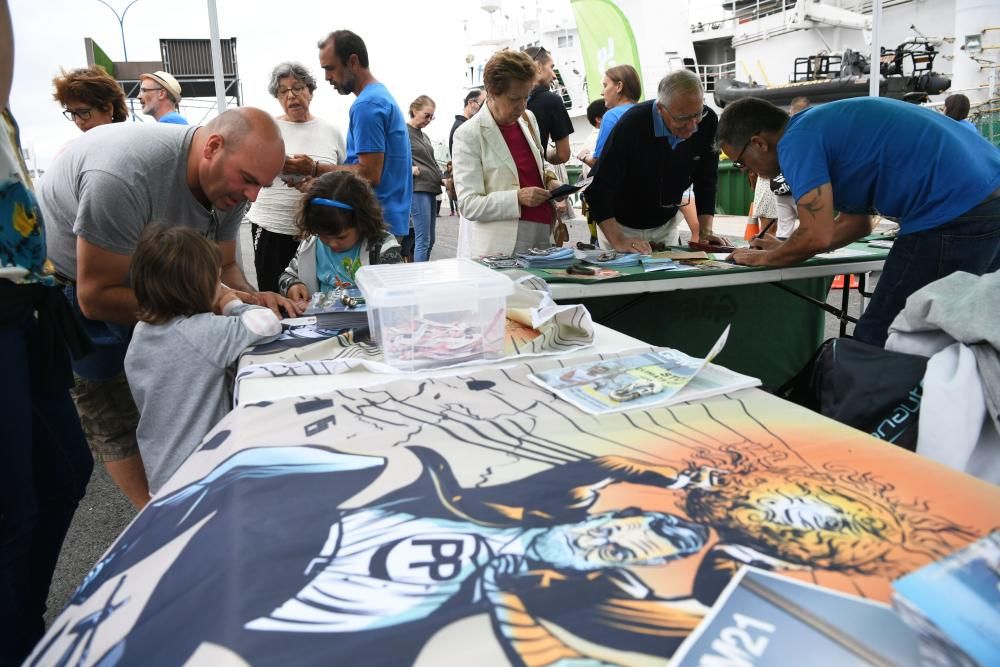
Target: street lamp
<point>121,22</point>
<point>121,27</point>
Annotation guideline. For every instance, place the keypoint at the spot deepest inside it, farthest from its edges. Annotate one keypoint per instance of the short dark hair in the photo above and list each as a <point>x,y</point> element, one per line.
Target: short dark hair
<point>347,188</point>
<point>538,53</point>
<point>956,106</point>
<point>471,95</point>
<point>94,86</point>
<point>744,118</point>
<point>629,78</point>
<point>346,44</point>
<point>596,110</point>
<point>174,272</point>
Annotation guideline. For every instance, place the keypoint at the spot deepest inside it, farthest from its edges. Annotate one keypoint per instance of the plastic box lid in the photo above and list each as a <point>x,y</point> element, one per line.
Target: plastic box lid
<point>440,286</point>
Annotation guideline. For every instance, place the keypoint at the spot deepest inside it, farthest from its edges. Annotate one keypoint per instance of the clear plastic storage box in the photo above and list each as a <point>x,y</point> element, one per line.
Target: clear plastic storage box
<point>439,313</point>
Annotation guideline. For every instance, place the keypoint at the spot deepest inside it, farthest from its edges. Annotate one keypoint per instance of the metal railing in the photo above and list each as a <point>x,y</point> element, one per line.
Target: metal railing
<point>986,118</point>
<point>710,73</point>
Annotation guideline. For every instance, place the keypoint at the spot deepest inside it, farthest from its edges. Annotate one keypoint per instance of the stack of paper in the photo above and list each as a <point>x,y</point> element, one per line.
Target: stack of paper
<point>658,264</point>
<point>609,258</point>
<point>552,258</point>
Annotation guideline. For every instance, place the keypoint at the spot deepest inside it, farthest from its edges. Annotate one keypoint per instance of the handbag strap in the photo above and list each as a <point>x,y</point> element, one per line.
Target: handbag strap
<point>547,174</point>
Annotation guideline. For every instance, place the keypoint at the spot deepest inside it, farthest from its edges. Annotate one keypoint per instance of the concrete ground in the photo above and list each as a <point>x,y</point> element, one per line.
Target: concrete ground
<point>105,512</point>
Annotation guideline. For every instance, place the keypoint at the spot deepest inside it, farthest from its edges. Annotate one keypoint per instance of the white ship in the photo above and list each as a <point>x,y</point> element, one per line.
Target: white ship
<point>769,48</point>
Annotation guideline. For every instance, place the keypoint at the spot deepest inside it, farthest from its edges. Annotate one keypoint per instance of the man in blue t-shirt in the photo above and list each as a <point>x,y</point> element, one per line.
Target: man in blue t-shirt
<point>378,144</point>
<point>160,94</point>
<point>848,160</point>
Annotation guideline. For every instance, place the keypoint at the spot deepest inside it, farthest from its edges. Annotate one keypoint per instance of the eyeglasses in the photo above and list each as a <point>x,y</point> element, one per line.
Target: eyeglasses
<point>143,91</point>
<point>684,120</point>
<point>82,114</point>
<point>295,90</point>
<point>738,162</point>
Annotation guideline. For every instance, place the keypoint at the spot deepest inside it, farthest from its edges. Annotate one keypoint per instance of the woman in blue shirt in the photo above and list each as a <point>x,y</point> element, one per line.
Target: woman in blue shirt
<point>620,89</point>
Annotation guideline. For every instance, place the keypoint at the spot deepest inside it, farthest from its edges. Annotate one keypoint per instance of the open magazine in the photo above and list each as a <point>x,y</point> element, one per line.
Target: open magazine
<point>655,378</point>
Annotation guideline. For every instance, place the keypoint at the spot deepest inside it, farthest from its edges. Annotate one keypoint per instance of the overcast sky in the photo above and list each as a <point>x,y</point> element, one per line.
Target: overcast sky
<point>414,48</point>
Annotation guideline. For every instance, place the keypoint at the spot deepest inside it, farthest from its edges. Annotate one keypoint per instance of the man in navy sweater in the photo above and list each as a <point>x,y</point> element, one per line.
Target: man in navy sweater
<point>656,152</point>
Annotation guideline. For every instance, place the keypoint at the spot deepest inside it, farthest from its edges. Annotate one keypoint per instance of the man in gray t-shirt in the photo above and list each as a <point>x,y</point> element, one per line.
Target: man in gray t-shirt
<point>97,198</point>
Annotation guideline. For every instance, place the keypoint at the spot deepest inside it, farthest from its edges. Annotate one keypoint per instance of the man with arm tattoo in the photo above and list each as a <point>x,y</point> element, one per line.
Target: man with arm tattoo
<point>848,160</point>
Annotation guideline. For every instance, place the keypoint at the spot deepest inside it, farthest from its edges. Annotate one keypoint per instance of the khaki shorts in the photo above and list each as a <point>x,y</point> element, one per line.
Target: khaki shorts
<point>667,233</point>
<point>108,416</point>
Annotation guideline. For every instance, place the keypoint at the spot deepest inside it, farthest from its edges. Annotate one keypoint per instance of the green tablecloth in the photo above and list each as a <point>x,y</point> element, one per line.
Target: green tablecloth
<point>773,333</point>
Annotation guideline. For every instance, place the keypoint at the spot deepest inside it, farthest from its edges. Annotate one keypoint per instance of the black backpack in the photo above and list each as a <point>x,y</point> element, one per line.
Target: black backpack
<point>864,386</point>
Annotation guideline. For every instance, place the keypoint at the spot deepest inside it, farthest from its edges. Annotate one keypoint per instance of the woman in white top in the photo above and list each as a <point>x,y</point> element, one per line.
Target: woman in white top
<point>309,142</point>
<point>503,190</point>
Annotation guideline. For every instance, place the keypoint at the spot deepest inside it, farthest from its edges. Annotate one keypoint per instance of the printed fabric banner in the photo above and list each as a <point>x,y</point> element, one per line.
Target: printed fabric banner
<point>606,40</point>
<point>478,520</point>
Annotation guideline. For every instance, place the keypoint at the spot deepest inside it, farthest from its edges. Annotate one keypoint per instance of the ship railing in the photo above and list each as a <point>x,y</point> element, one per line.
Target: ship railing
<point>710,73</point>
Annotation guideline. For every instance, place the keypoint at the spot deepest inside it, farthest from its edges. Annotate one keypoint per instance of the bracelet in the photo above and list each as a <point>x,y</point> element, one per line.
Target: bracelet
<point>315,167</point>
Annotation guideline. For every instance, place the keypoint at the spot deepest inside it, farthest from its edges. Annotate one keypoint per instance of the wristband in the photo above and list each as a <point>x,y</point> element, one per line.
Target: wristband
<point>315,167</point>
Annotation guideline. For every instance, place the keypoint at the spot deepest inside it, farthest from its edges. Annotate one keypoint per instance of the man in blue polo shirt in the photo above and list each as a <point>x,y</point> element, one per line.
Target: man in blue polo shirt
<point>378,144</point>
<point>848,160</point>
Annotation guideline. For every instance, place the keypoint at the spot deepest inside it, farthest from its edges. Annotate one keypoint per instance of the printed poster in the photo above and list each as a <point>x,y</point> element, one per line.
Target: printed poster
<point>474,520</point>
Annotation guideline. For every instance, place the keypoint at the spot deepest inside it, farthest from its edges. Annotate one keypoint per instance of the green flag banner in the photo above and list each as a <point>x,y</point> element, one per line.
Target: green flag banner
<point>606,40</point>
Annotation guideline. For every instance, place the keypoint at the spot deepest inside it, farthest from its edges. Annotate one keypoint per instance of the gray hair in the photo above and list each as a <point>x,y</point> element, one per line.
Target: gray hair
<point>681,82</point>
<point>292,69</point>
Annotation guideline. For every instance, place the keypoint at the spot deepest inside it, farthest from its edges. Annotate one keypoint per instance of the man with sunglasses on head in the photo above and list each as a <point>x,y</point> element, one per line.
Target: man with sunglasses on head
<point>657,151</point>
<point>850,159</point>
<point>160,93</point>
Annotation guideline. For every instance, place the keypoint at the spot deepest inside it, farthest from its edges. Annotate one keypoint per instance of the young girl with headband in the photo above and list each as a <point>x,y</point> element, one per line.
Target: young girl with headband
<point>341,227</point>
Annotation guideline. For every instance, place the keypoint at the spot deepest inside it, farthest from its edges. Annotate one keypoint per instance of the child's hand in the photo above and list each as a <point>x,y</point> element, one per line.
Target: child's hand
<point>224,295</point>
<point>299,292</point>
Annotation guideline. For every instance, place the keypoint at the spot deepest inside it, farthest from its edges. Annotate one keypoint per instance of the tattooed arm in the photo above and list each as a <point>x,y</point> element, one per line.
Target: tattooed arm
<point>818,232</point>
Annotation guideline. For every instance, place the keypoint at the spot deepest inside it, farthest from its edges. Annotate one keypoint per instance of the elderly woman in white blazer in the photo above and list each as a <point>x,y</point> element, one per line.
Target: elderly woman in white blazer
<point>502,187</point>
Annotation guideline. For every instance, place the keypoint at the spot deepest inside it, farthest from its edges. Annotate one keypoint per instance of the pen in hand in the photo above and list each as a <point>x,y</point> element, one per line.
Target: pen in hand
<point>766,228</point>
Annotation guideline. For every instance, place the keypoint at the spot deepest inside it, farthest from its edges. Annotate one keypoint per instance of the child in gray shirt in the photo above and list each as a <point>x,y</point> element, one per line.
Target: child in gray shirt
<point>180,350</point>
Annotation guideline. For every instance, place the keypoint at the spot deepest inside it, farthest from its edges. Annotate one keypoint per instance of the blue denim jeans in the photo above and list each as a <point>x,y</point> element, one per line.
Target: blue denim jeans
<point>422,211</point>
<point>969,243</point>
<point>44,470</point>
<point>110,344</point>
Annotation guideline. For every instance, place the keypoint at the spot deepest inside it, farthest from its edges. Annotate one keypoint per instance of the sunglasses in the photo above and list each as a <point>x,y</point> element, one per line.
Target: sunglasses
<point>738,162</point>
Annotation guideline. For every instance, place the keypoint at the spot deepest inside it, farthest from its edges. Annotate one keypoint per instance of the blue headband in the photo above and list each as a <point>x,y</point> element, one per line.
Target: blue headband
<point>331,202</point>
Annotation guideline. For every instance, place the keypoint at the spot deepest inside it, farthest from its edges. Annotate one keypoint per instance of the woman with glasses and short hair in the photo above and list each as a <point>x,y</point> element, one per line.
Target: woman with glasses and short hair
<point>427,178</point>
<point>310,144</point>
<point>90,97</point>
<point>502,188</point>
